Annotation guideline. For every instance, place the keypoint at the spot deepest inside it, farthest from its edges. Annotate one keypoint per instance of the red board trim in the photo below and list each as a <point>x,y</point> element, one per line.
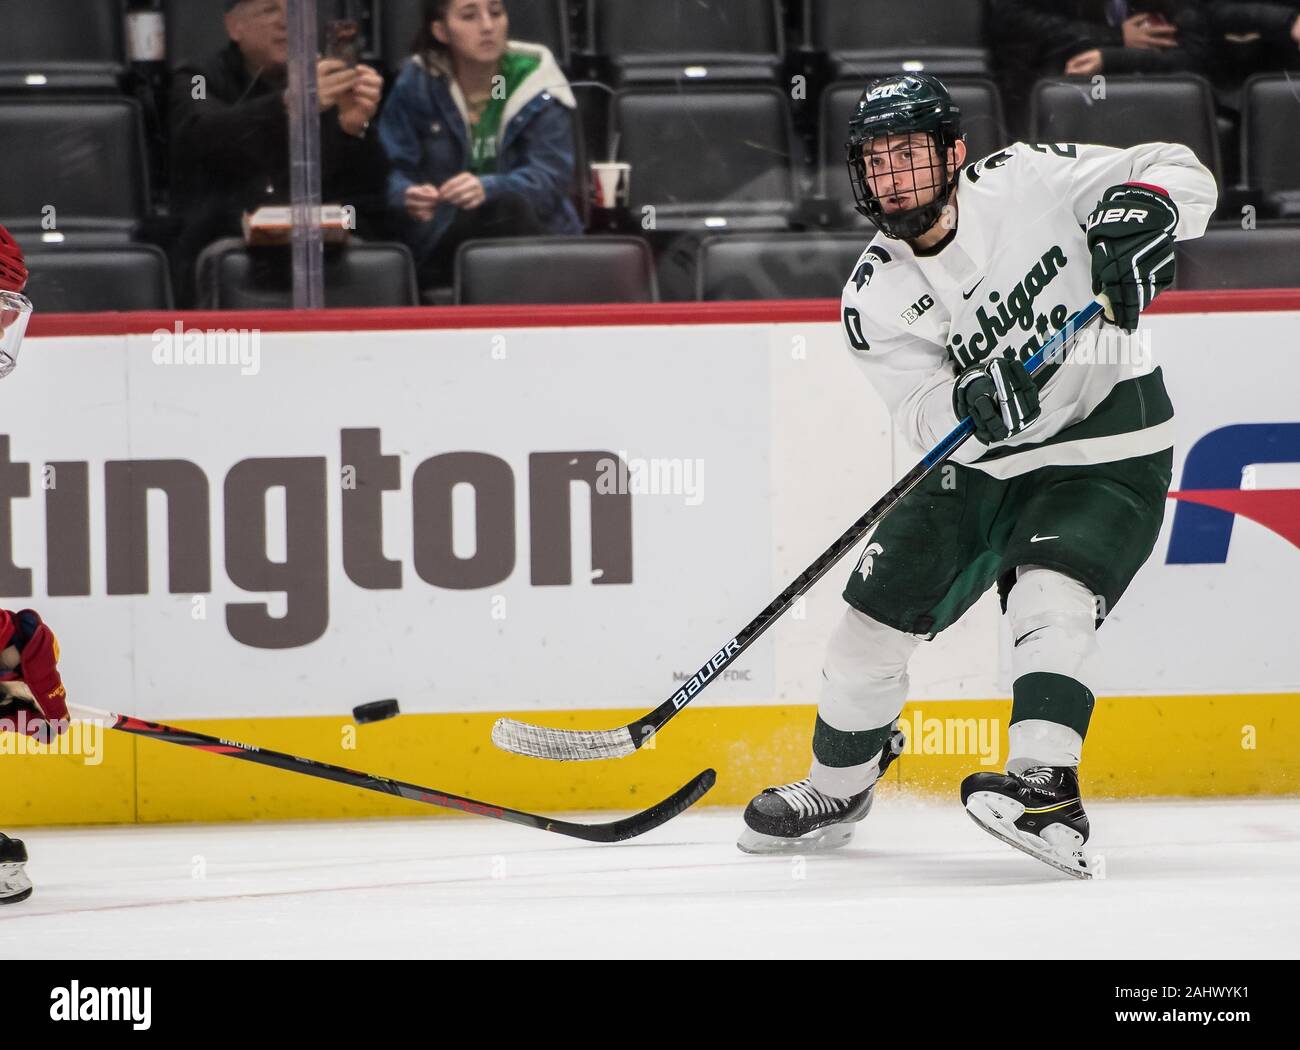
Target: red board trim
<point>793,311</point>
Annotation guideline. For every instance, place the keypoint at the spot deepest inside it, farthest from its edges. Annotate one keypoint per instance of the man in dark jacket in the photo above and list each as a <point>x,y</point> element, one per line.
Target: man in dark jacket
<point>1252,37</point>
<point>1277,24</point>
<point>1036,38</point>
<point>230,135</point>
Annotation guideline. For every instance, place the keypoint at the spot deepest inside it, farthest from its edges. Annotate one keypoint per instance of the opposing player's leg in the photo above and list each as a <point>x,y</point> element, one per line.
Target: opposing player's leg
<point>918,573</point>
<point>1077,537</point>
<point>15,886</point>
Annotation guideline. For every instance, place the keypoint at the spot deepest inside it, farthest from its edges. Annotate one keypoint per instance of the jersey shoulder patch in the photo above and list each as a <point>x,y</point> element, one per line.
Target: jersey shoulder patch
<point>868,295</point>
<point>876,255</point>
<point>976,171</point>
<point>1021,154</point>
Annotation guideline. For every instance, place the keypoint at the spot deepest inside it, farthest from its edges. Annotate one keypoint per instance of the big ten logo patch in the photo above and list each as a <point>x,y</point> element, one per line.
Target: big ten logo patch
<point>913,312</point>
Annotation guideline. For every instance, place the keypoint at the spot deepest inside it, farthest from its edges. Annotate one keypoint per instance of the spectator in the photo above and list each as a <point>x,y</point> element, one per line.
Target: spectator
<point>1277,25</point>
<point>230,135</point>
<point>1251,38</point>
<point>479,135</point>
<point>1086,37</point>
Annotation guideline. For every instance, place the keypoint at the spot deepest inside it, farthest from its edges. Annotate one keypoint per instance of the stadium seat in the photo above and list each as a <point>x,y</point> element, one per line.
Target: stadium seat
<point>1230,257</point>
<point>90,280</point>
<point>868,38</point>
<point>981,115</point>
<point>360,274</point>
<point>690,40</point>
<point>708,159</point>
<point>1172,108</point>
<point>534,21</point>
<point>62,45</point>
<point>196,31</point>
<point>1270,153</point>
<point>777,265</point>
<point>81,172</point>
<point>555,270</point>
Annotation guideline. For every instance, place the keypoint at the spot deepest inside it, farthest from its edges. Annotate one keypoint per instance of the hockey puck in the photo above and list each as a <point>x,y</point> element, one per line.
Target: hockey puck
<point>376,711</point>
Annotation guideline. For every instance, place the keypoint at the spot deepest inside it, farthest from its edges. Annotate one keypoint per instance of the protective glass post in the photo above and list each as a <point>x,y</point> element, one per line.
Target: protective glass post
<point>304,158</point>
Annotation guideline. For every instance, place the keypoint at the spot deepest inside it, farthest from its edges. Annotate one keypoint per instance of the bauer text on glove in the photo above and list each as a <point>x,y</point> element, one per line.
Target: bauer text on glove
<point>1131,238</point>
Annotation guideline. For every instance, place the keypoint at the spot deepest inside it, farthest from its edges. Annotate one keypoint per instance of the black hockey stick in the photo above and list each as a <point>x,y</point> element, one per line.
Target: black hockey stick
<point>523,738</point>
<point>617,831</point>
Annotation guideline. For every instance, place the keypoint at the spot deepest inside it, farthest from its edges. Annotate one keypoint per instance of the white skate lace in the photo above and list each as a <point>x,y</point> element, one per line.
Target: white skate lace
<point>807,801</point>
<point>1037,776</point>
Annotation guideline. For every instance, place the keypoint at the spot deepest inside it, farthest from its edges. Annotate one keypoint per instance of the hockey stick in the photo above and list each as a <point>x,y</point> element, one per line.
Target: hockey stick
<point>616,831</point>
<point>523,738</point>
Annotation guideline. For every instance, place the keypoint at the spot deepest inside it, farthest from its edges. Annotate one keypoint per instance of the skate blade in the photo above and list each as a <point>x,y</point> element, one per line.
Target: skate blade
<point>978,807</point>
<point>832,836</point>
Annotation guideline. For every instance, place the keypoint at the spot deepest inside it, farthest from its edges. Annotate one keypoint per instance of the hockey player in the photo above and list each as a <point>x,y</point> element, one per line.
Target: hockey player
<point>29,652</point>
<point>1060,495</point>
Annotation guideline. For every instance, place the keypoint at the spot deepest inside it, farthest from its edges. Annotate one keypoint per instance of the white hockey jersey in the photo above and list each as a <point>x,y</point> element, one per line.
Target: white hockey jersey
<point>1017,267</point>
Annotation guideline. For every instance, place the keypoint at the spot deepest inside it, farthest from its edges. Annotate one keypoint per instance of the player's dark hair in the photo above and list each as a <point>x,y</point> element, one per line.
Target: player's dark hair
<point>425,41</point>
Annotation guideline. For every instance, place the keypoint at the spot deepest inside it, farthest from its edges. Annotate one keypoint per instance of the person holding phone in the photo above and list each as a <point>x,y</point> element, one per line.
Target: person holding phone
<point>230,133</point>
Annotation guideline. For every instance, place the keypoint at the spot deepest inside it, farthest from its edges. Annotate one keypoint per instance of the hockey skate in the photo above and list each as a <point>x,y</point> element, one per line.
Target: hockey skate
<point>15,886</point>
<point>797,818</point>
<point>1038,811</point>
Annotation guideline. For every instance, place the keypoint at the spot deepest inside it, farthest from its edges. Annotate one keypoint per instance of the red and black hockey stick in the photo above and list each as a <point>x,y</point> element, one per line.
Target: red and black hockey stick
<point>616,831</point>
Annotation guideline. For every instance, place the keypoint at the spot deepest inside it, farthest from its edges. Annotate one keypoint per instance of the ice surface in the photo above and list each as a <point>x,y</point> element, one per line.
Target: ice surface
<point>1183,880</point>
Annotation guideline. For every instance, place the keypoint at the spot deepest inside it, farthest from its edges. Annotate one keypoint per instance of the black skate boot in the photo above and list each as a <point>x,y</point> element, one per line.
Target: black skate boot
<point>15,886</point>
<point>1038,811</point>
<point>797,818</point>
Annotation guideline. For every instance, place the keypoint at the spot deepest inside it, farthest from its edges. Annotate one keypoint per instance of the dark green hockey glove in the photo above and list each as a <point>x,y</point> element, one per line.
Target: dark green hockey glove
<point>1131,238</point>
<point>999,396</point>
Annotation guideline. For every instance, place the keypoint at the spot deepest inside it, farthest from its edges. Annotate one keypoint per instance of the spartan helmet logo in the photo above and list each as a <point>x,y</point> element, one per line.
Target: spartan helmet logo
<point>868,559</point>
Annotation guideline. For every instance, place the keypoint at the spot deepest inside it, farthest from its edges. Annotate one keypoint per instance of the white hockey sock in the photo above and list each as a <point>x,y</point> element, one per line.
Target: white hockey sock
<point>1053,626</point>
<point>864,686</point>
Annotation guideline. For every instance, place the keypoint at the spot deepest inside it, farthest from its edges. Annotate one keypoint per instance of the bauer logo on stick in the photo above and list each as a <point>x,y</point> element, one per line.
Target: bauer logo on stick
<point>700,678</point>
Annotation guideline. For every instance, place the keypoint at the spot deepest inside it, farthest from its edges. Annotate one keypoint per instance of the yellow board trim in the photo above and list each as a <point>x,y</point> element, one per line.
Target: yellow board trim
<point>1137,746</point>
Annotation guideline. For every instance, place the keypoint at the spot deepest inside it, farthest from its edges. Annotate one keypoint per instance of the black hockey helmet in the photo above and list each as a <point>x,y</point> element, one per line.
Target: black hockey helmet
<point>902,104</point>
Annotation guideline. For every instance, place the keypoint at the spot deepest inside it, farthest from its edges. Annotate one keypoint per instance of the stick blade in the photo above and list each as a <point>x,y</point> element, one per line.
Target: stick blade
<point>561,745</point>
<point>675,804</point>
<point>648,819</point>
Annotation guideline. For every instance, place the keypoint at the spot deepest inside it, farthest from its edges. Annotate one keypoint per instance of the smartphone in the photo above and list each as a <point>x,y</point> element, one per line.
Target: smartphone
<point>343,41</point>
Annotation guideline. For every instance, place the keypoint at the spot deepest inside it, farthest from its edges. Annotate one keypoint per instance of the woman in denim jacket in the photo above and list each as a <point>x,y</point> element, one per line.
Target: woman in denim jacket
<point>479,134</point>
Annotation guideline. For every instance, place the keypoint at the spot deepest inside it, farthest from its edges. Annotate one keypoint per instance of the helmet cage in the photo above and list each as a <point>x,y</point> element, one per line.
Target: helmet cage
<point>15,313</point>
<point>906,223</point>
